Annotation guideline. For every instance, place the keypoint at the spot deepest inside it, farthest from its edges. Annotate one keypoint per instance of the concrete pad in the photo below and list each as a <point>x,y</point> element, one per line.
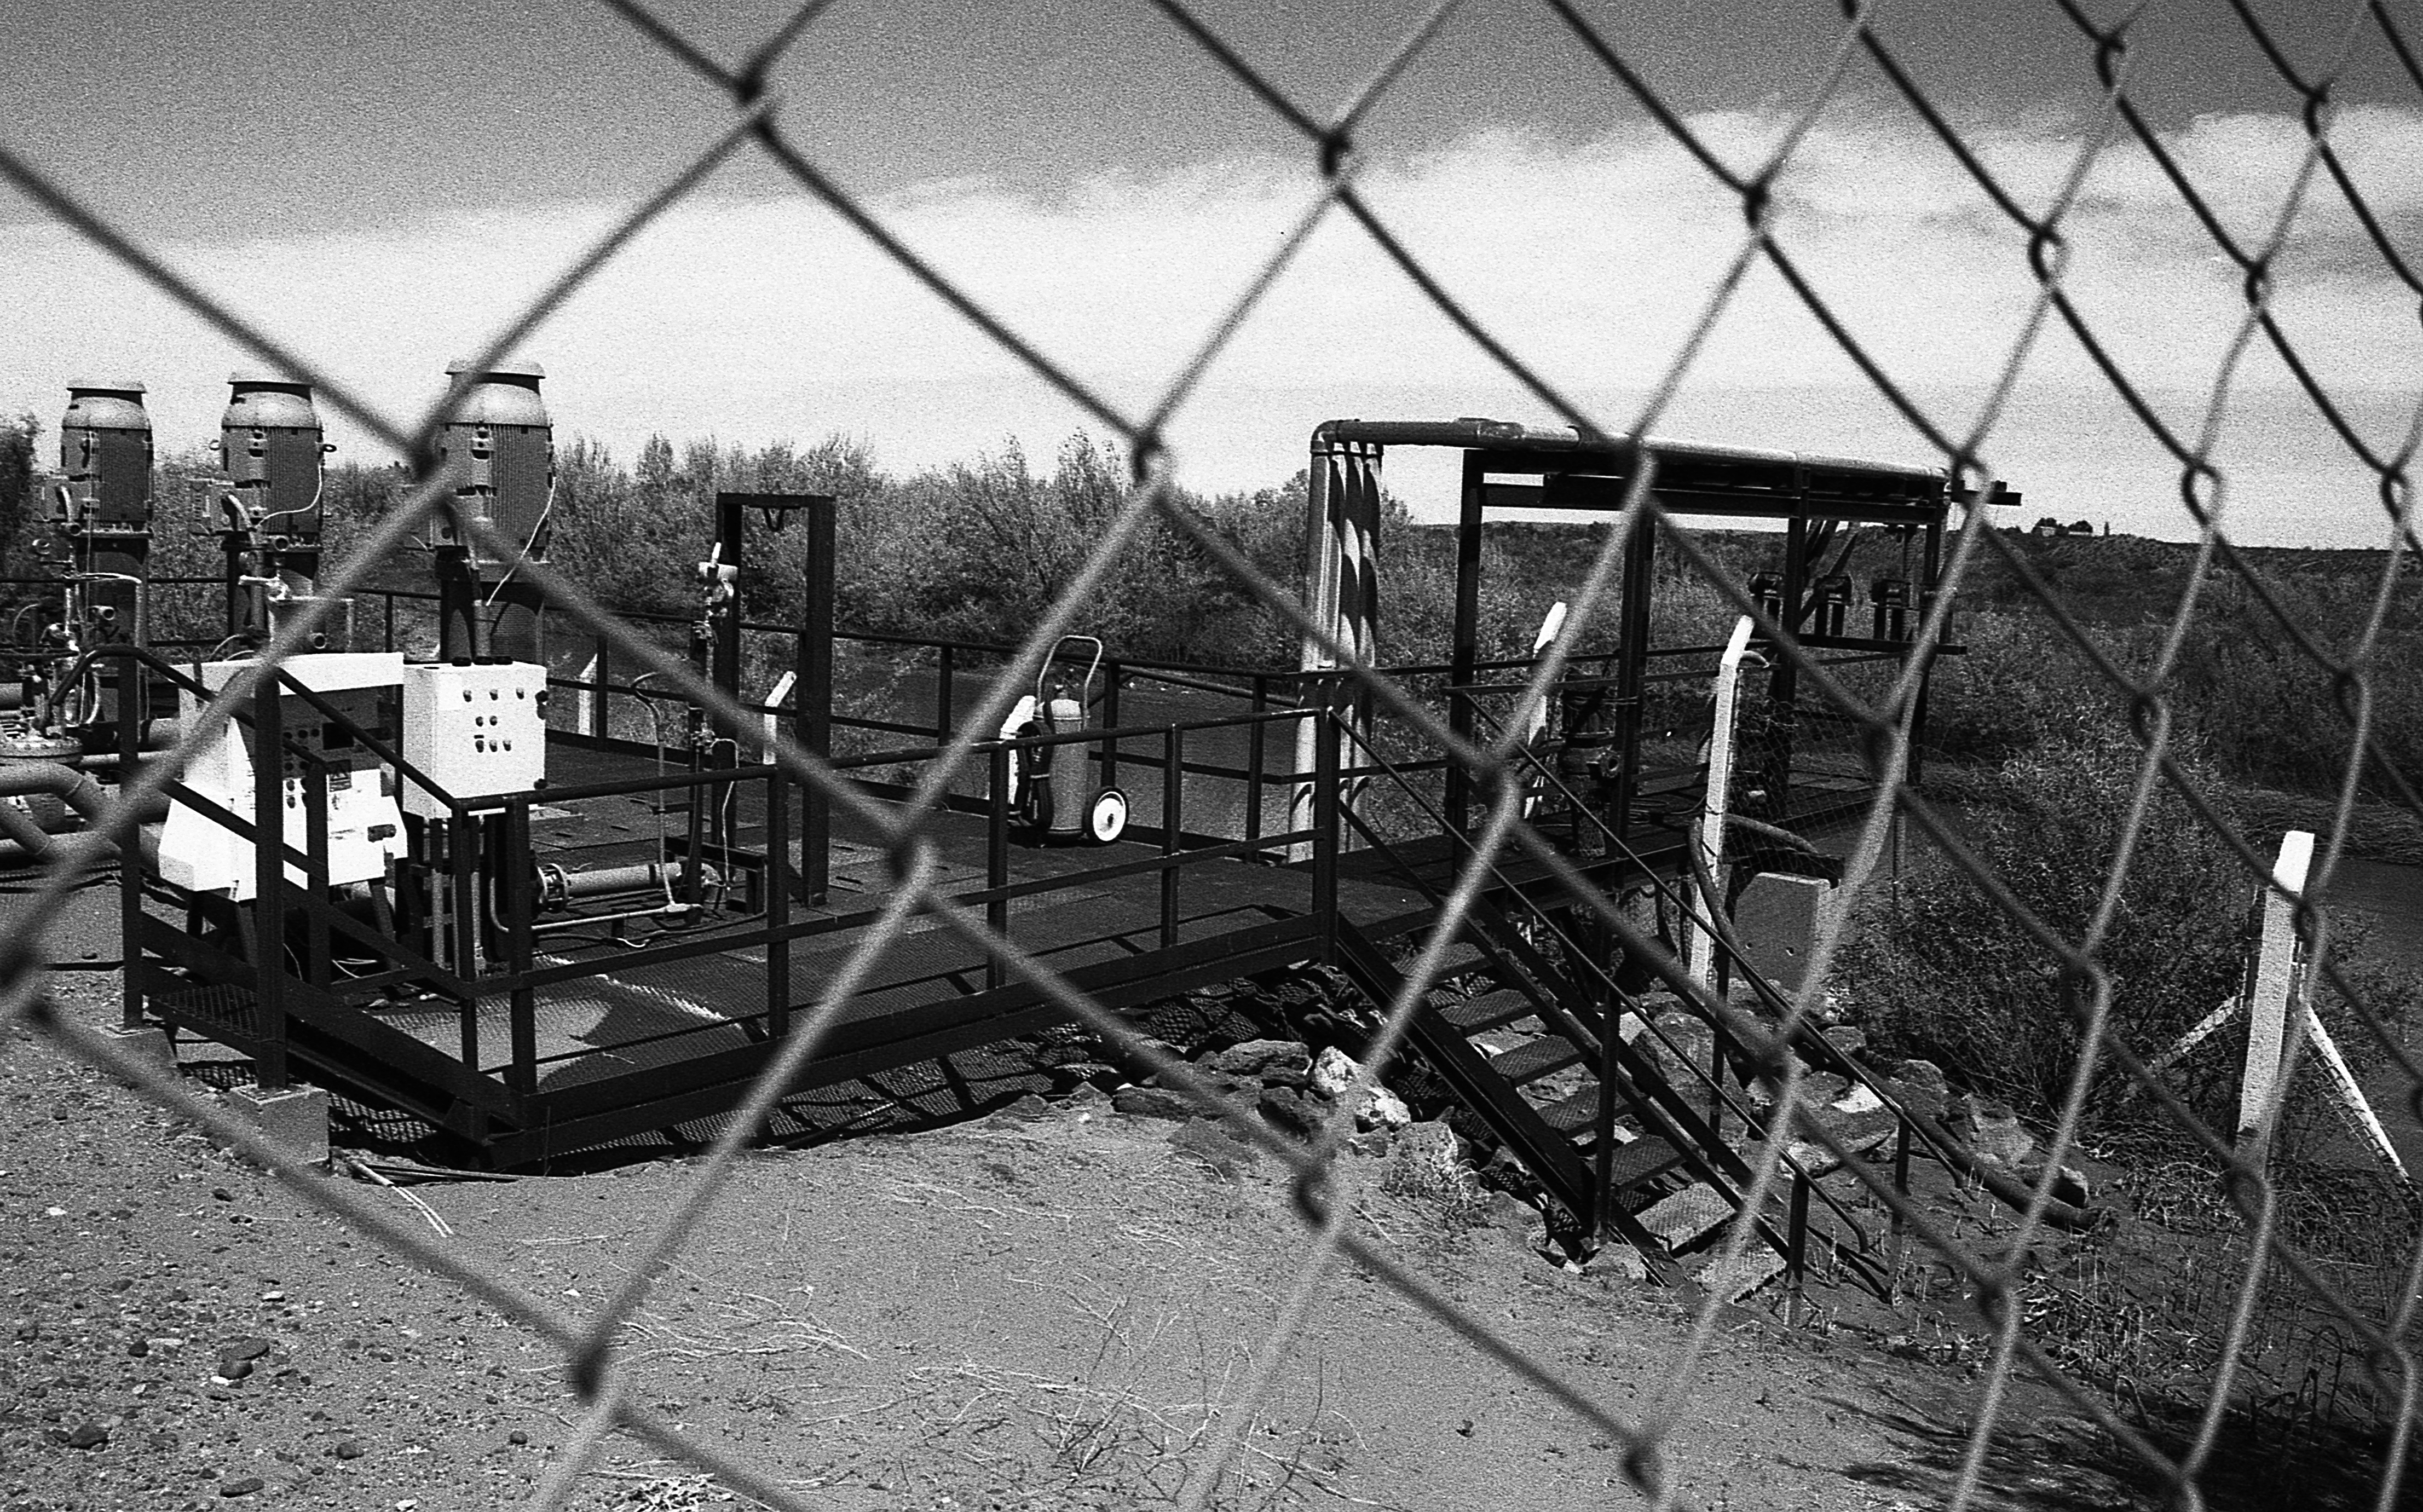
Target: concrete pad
<point>296,1120</point>
<point>1777,919</point>
<point>148,1044</point>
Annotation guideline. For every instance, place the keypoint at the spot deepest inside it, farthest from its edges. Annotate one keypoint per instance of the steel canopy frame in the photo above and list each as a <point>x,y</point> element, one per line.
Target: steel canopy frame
<point>1811,495</point>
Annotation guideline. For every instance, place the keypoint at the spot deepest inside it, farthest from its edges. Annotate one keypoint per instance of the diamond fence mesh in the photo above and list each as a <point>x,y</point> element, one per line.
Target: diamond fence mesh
<point>2292,1323</point>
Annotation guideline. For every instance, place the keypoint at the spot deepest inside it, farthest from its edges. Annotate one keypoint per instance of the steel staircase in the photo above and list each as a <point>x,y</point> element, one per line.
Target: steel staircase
<point>1573,1076</point>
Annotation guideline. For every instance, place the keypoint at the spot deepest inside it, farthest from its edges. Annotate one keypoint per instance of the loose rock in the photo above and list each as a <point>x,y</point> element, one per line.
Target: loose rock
<point>1152,1102</point>
<point>1288,1109</point>
<point>88,1436</point>
<point>1333,1073</point>
<point>1920,1086</point>
<point>1992,1131</point>
<point>1382,1110</point>
<point>243,1485</point>
<point>1261,1057</point>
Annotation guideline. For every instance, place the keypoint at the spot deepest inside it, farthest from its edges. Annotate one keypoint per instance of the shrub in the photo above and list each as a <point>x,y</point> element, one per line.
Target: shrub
<point>1940,969</point>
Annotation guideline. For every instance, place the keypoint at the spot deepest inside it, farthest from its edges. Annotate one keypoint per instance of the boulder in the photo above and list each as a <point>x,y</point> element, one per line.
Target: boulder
<point>1154,1102</point>
<point>1289,1110</point>
<point>1429,1146</point>
<point>1333,1072</point>
<point>1382,1110</point>
<point>1689,1037</point>
<point>2070,1184</point>
<point>1920,1086</point>
<point>1259,1058</point>
<point>1992,1131</point>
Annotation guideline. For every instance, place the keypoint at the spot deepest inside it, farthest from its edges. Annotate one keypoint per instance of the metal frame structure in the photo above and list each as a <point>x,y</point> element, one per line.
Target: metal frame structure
<point>1506,467</point>
<point>346,984</point>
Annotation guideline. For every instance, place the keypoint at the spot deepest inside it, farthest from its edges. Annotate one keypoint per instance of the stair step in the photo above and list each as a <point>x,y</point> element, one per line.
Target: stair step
<point>1644,1159</point>
<point>1540,1058</point>
<point>1491,1010</point>
<point>231,1007</point>
<point>1576,1115</point>
<point>1733,1279</point>
<point>1682,1219</point>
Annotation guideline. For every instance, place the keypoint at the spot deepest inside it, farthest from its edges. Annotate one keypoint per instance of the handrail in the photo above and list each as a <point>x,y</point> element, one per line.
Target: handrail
<point>1632,1004</point>
<point>1811,1046</point>
<point>1614,1056</point>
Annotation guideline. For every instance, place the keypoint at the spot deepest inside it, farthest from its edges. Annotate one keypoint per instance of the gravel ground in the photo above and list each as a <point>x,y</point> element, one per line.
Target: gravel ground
<point>1037,1309</point>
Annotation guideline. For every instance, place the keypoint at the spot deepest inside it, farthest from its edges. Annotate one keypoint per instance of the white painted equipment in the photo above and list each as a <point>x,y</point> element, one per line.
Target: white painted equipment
<point>478,730</point>
<point>200,854</point>
<point>1052,788</point>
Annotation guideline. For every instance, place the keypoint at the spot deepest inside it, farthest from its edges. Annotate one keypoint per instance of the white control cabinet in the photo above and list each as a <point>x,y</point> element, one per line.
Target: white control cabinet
<point>198,853</point>
<point>478,731</point>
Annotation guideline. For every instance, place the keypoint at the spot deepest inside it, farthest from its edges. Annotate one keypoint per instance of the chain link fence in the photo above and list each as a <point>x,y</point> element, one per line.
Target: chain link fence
<point>2287,1320</point>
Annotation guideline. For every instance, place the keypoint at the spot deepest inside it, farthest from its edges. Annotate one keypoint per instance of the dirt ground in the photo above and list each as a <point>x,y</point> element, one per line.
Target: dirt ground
<point>1043,1308</point>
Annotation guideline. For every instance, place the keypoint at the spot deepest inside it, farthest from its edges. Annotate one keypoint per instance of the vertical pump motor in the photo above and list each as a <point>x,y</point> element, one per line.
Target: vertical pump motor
<point>271,445</point>
<point>498,450</point>
<point>101,527</point>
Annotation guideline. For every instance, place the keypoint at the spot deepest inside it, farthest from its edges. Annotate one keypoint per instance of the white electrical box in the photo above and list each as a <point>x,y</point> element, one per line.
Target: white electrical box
<point>198,853</point>
<point>479,731</point>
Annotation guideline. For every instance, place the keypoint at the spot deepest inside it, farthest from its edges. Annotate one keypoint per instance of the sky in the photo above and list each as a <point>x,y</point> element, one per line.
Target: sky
<point>384,185</point>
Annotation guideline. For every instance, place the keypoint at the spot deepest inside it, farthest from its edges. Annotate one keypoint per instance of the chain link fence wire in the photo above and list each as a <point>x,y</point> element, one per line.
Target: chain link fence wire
<point>2284,1306</point>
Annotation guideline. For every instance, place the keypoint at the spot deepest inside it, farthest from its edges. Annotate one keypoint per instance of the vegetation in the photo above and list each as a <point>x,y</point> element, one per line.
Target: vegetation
<point>1938,969</point>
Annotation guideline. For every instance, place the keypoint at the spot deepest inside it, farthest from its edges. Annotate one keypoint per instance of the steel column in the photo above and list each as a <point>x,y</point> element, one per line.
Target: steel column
<point>814,695</point>
<point>269,879</point>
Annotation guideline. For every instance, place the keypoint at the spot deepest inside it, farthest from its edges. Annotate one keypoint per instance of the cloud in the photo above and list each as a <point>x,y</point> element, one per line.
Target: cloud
<point>756,319</point>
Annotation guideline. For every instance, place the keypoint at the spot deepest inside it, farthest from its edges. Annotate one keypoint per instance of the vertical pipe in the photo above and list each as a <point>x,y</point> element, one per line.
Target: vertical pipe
<point>1464,645</point>
<point>514,863</point>
<point>129,875</point>
<point>1325,825</point>
<point>1340,519</point>
<point>997,857</point>
<point>1173,784</point>
<point>814,698</point>
<point>464,891</point>
<point>269,878</point>
<point>778,904</point>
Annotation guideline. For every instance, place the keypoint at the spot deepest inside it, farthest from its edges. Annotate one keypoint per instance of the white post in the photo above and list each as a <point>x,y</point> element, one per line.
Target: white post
<point>1718,797</point>
<point>584,708</point>
<point>2275,990</point>
<point>774,702</point>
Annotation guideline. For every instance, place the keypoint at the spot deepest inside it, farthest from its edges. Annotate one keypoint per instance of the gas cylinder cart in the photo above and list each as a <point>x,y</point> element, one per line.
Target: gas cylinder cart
<point>1051,793</point>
